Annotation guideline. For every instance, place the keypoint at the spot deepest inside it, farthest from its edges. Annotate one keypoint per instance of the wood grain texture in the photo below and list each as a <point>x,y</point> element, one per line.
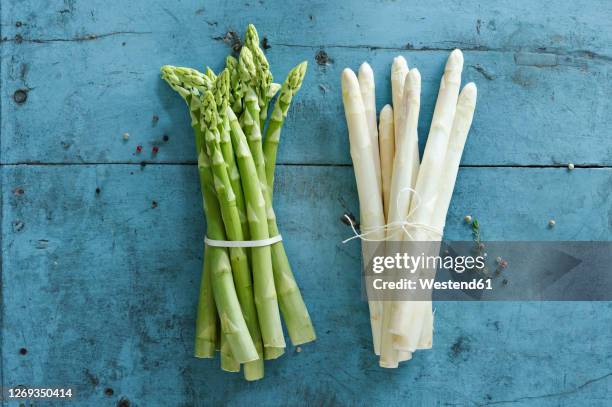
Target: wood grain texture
<point>112,282</point>
<point>100,288</point>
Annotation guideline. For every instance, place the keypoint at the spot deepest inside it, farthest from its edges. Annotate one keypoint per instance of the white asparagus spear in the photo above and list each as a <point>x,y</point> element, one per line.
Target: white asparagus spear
<point>406,162</point>
<point>399,70</point>
<point>370,200</point>
<point>401,181</point>
<point>461,127</point>
<point>409,314</point>
<point>368,95</point>
<point>387,152</point>
<point>386,140</point>
<point>404,356</point>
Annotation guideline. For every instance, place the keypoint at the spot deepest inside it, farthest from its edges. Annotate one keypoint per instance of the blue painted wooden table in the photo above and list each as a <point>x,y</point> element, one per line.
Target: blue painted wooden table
<point>101,247</point>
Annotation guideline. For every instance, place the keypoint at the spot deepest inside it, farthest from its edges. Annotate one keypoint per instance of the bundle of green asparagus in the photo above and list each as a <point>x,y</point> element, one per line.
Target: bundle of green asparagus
<point>246,274</point>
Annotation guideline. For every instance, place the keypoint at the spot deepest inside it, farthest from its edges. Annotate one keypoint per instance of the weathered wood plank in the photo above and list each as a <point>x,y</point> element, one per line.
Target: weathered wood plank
<point>520,24</point>
<point>100,288</point>
<point>542,99</point>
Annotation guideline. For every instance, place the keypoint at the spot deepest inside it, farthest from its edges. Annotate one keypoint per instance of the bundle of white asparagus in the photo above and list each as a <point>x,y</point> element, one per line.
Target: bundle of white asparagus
<point>395,187</point>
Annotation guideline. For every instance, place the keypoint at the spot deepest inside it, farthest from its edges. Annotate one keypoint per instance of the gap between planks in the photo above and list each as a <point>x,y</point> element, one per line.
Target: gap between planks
<point>191,163</point>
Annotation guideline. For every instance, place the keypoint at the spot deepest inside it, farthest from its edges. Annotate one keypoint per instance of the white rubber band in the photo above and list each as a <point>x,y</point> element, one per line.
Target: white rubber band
<point>243,243</point>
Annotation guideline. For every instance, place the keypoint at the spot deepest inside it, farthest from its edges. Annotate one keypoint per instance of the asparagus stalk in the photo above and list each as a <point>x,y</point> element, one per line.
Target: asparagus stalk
<point>387,152</point>
<point>407,317</point>
<point>370,201</point>
<point>290,87</point>
<point>236,91</point>
<point>399,70</point>
<point>231,219</point>
<point>368,95</point>
<point>292,305</point>
<point>250,117</point>
<point>264,77</point>
<point>401,181</point>
<point>206,320</point>
<point>228,363</point>
<point>263,279</point>
<point>406,154</point>
<point>462,121</point>
<point>222,96</point>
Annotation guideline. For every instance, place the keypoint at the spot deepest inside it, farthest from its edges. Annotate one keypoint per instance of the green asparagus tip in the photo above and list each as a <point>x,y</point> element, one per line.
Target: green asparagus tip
<point>231,62</point>
<point>190,79</point>
<point>222,85</point>
<point>222,91</point>
<point>210,74</point>
<point>296,76</point>
<point>168,74</point>
<point>246,66</point>
<point>209,110</point>
<point>251,38</point>
<point>273,90</point>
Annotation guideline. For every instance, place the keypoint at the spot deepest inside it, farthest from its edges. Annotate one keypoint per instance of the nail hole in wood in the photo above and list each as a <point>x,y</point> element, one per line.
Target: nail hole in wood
<point>20,96</point>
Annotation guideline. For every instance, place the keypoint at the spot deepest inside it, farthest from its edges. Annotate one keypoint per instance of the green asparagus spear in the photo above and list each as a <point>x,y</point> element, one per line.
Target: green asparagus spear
<point>206,320</point>
<point>263,278</point>
<point>263,80</point>
<point>222,92</point>
<point>236,92</point>
<point>228,363</point>
<point>291,303</point>
<point>289,88</point>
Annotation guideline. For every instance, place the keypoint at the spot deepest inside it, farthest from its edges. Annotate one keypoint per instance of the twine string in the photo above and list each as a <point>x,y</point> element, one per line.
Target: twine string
<point>392,226</point>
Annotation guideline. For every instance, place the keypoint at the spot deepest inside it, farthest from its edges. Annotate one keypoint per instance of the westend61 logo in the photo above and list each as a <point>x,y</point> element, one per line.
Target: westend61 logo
<point>488,271</point>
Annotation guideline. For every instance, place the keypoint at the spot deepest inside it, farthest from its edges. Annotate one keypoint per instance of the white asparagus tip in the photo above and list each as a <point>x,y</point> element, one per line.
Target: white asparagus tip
<point>349,81</point>
<point>468,94</point>
<point>386,114</point>
<point>365,71</point>
<point>399,64</point>
<point>415,76</point>
<point>455,60</point>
